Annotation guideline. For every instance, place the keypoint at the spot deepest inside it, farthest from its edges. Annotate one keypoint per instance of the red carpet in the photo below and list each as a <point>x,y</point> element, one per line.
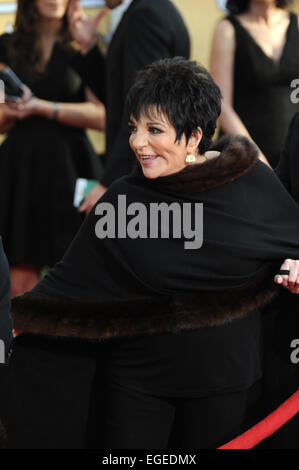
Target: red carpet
<point>267,426</point>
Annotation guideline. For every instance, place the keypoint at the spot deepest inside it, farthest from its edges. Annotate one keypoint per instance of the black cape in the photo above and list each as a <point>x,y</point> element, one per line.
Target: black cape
<point>121,287</point>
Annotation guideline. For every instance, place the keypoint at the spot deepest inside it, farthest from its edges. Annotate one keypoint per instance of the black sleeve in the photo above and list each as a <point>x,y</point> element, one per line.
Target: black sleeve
<point>283,168</point>
<point>92,69</point>
<point>147,40</point>
<point>5,318</point>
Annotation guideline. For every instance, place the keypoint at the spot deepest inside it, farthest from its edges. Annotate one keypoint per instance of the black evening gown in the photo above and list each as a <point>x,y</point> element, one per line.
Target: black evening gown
<point>40,161</point>
<point>262,88</point>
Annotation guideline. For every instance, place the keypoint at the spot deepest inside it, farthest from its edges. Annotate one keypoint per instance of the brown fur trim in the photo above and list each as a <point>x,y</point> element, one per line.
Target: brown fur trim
<point>93,319</point>
<point>237,156</point>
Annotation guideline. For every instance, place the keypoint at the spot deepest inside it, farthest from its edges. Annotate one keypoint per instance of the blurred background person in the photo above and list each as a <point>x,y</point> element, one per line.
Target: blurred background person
<point>288,167</point>
<point>46,149</point>
<point>149,30</point>
<point>254,58</point>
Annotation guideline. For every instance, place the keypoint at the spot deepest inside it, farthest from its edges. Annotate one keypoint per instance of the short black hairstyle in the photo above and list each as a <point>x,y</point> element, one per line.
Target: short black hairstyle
<point>240,6</point>
<point>183,91</point>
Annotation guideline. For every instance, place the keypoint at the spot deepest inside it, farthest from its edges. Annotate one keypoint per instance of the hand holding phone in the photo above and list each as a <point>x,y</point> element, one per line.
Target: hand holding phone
<point>13,87</point>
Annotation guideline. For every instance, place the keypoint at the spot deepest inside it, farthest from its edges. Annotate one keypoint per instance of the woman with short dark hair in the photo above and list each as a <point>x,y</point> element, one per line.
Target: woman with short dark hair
<point>199,104</point>
<point>168,271</point>
<point>254,59</point>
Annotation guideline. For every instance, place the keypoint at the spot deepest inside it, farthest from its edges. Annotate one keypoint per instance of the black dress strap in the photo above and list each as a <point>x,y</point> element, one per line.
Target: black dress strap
<point>233,20</point>
<point>240,31</point>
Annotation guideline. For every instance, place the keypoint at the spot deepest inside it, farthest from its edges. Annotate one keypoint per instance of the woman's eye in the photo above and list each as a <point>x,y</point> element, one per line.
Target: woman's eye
<point>132,129</point>
<point>155,130</point>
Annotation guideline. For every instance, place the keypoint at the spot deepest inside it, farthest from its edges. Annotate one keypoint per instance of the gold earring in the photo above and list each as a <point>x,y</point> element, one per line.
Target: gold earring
<point>190,158</point>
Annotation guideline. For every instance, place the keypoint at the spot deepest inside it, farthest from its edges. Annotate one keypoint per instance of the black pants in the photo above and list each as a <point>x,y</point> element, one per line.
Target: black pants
<point>135,420</point>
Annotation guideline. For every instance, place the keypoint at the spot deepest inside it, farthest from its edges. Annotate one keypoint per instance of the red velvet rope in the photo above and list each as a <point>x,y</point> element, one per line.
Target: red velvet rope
<point>268,426</point>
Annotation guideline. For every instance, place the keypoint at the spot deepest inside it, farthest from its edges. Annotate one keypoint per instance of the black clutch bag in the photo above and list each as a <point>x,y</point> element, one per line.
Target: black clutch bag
<point>13,90</point>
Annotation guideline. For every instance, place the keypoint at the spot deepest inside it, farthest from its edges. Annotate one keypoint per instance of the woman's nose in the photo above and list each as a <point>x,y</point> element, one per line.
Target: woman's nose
<point>139,140</point>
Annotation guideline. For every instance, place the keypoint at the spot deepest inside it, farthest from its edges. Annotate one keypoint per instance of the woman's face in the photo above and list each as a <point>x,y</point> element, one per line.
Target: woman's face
<point>52,9</point>
<point>153,140</point>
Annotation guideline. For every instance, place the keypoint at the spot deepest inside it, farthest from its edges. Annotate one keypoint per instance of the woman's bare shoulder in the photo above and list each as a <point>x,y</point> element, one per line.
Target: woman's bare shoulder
<point>224,27</point>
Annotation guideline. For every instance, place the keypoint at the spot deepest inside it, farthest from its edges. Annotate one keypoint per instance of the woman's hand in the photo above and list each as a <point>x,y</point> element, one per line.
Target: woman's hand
<point>92,197</point>
<point>10,114</point>
<point>24,108</point>
<point>83,28</point>
<point>289,280</point>
<point>87,115</point>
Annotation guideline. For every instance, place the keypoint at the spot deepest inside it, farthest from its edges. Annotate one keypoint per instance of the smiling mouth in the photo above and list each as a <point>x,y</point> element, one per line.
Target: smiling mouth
<point>147,158</point>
